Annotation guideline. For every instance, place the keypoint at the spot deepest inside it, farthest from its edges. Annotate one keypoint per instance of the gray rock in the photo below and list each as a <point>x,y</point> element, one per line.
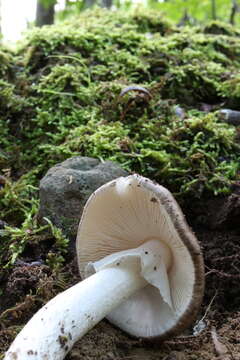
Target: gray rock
<point>66,187</point>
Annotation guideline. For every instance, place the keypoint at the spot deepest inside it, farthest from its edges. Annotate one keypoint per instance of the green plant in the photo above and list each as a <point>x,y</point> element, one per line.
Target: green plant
<point>55,257</point>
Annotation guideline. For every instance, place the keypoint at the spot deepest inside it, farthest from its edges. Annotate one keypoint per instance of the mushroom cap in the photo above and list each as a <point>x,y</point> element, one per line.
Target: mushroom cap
<point>122,215</point>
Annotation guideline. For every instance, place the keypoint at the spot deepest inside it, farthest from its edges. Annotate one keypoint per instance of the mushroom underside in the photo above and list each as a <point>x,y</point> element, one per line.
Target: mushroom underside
<point>125,214</point>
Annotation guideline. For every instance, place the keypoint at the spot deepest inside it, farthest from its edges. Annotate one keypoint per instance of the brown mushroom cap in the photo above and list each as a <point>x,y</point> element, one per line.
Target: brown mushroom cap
<point>125,213</point>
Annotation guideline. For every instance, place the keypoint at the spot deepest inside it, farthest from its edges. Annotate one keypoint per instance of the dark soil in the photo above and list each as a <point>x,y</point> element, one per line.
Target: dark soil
<point>216,224</point>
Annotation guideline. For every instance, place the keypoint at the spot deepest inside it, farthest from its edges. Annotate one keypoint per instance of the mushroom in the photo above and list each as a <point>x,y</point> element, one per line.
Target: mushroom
<point>142,266</point>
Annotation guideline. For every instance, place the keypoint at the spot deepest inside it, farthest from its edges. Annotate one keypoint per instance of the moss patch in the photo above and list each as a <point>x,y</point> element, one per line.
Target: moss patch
<point>60,96</point>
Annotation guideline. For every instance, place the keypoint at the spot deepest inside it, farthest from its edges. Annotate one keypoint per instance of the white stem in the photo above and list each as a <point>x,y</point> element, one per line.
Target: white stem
<point>54,329</point>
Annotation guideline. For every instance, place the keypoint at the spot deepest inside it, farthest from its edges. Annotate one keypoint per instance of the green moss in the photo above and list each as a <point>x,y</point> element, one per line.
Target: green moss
<point>16,198</point>
<point>60,96</point>
<point>15,239</point>
<point>76,73</point>
<point>231,86</point>
<point>6,62</point>
<point>220,28</point>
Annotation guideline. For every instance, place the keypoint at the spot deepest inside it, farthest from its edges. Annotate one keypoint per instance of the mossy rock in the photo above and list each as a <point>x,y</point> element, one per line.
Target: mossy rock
<point>66,187</point>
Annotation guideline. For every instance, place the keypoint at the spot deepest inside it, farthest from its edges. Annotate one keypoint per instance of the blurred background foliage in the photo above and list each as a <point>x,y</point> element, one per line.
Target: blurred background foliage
<point>181,12</point>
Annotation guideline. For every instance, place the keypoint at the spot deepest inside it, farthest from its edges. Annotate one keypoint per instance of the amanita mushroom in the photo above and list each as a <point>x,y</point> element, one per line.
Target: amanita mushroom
<point>142,266</point>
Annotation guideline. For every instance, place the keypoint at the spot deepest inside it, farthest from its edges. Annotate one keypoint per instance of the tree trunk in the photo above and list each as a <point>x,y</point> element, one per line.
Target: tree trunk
<point>185,19</point>
<point>0,19</point>
<point>45,13</point>
<point>234,10</point>
<point>107,3</point>
<point>88,4</point>
<point>214,12</point>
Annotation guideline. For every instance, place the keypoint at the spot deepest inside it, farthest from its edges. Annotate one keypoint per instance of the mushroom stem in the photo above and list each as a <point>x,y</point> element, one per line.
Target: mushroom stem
<point>54,329</point>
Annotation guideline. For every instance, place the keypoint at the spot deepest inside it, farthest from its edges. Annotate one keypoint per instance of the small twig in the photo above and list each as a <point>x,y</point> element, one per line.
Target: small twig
<point>136,88</point>
<point>177,342</point>
<point>18,309</point>
<point>201,324</point>
<point>209,306</point>
<point>236,268</point>
<point>222,274</point>
<point>220,348</point>
<point>230,257</point>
